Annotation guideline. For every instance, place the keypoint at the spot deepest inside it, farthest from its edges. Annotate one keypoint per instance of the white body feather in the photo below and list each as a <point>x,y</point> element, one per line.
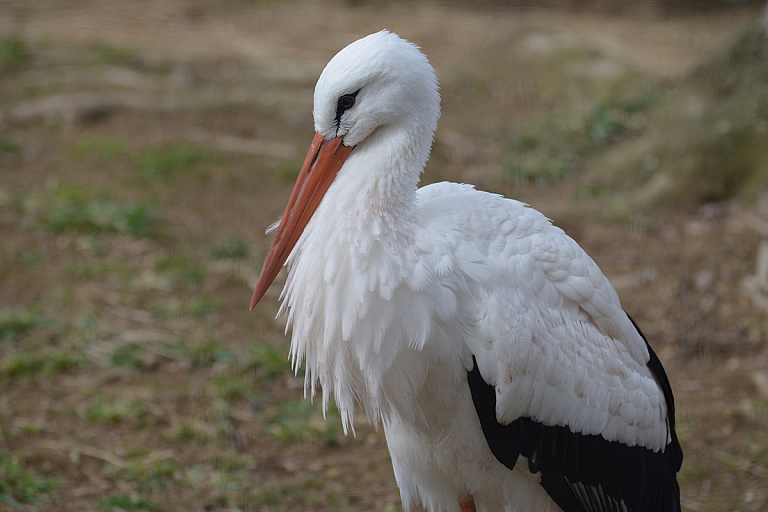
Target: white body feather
<point>393,318</point>
<point>392,290</point>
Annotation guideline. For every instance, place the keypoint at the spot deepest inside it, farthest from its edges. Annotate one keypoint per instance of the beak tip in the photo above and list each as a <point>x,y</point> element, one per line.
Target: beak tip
<point>258,293</point>
<point>254,301</point>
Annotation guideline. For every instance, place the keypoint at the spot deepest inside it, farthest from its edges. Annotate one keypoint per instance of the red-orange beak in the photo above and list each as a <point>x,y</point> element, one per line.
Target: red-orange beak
<point>323,161</point>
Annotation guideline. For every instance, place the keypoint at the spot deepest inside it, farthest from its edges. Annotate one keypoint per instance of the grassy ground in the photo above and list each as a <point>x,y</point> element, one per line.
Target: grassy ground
<point>144,149</point>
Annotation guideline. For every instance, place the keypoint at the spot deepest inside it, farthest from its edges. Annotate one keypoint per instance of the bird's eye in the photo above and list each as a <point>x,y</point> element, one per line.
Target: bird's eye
<point>345,102</point>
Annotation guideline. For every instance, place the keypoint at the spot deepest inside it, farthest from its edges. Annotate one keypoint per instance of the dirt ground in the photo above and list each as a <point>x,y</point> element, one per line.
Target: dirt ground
<point>144,148</point>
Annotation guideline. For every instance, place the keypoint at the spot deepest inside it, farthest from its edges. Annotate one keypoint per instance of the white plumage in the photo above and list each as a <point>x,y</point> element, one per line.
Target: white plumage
<point>395,294</point>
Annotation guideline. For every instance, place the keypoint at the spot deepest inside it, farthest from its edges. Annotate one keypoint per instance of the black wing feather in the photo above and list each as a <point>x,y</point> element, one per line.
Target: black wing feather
<point>586,473</point>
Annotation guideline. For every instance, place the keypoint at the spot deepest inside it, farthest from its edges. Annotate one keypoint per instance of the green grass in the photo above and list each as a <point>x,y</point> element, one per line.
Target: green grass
<point>267,362</point>
<point>231,388</point>
<point>619,210</point>
<point>178,272</point>
<point>115,410</point>
<point>271,495</point>
<point>230,249</point>
<point>100,147</point>
<point>309,494</point>
<point>11,152</point>
<point>19,485</point>
<point>15,323</point>
<point>286,170</point>
<point>539,170</point>
<point>114,55</point>
<point>553,147</point>
<point>25,337</point>
<point>13,54</point>
<point>610,121</point>
<point>200,307</point>
<point>251,373</point>
<point>302,421</point>
<point>89,269</point>
<point>148,476</point>
<point>17,364</point>
<point>129,355</point>
<point>124,503</point>
<point>102,215</point>
<point>200,431</point>
<point>203,355</point>
<point>165,161</point>
<point>695,472</point>
<point>49,362</point>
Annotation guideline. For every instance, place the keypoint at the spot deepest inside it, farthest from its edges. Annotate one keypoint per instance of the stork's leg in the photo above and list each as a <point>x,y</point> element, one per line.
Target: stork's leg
<point>468,505</point>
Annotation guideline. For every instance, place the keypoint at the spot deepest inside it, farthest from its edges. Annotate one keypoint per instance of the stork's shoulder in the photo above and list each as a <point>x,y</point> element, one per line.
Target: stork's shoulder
<point>462,194</point>
<point>479,216</point>
<point>443,188</point>
<point>523,255</point>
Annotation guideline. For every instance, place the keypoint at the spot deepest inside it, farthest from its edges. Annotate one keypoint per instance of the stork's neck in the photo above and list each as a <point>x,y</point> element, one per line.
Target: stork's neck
<point>360,239</point>
<point>355,252</point>
<point>374,192</point>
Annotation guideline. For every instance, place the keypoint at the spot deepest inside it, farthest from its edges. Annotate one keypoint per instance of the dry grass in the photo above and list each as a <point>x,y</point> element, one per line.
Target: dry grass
<point>145,147</point>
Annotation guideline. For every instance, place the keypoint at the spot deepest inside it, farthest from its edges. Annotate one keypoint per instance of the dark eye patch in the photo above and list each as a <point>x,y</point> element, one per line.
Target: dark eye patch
<point>345,102</point>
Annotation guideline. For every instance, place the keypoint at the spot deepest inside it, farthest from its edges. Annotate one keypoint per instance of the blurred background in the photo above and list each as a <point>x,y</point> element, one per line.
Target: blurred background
<point>145,146</point>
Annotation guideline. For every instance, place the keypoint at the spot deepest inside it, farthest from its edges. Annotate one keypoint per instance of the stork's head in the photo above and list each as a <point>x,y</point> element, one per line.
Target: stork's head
<point>376,81</point>
<point>380,82</point>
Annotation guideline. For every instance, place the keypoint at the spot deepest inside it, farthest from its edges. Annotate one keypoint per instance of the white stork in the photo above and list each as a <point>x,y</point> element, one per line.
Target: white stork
<point>491,347</point>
